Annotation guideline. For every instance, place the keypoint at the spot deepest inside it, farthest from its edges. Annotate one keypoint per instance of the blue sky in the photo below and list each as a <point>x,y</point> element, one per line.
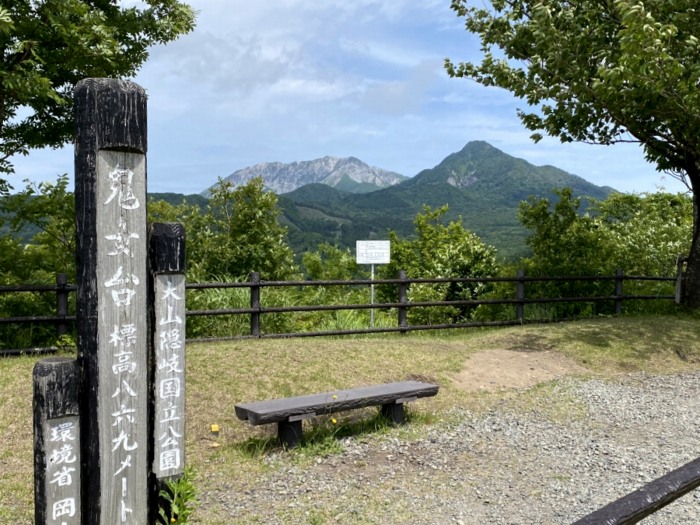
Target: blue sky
<point>292,80</point>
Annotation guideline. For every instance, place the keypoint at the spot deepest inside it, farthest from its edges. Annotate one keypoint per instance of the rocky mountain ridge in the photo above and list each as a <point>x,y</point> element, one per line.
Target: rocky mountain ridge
<point>348,174</point>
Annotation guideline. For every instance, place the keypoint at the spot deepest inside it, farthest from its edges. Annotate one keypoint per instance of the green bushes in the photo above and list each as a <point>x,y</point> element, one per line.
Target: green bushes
<point>439,251</point>
<point>238,232</point>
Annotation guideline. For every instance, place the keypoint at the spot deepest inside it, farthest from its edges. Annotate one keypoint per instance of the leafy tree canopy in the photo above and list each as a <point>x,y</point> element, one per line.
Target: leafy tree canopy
<point>238,233</point>
<point>441,250</point>
<point>48,46</point>
<point>48,211</point>
<point>331,263</point>
<point>600,72</point>
<point>640,234</point>
<point>563,241</point>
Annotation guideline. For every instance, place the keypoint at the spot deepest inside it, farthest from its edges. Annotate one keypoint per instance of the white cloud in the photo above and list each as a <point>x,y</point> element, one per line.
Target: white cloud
<point>299,79</point>
<point>408,95</point>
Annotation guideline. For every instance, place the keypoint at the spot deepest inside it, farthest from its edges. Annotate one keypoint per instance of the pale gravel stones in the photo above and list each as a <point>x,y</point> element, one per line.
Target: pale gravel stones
<point>503,467</point>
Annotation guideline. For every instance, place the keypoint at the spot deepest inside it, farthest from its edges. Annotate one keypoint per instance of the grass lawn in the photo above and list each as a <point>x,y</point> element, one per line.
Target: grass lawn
<point>222,374</point>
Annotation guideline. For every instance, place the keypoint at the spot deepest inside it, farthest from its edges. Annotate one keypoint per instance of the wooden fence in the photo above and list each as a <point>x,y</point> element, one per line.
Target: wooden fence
<point>518,300</point>
<point>642,503</point>
<point>629,509</point>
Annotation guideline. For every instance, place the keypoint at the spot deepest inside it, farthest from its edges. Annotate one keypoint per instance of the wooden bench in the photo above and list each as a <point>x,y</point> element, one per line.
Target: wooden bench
<point>289,412</point>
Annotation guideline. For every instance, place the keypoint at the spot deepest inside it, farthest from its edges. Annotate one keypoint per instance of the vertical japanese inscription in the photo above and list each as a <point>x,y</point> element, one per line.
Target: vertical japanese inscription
<point>57,442</point>
<point>122,344</point>
<point>62,442</point>
<point>169,385</point>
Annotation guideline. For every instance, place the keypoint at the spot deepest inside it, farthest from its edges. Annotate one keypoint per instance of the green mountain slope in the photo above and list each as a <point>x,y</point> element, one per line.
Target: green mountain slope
<point>480,183</point>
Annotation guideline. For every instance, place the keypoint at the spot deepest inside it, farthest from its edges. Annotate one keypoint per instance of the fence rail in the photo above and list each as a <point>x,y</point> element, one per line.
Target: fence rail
<point>627,510</point>
<point>256,311</point>
<point>642,503</point>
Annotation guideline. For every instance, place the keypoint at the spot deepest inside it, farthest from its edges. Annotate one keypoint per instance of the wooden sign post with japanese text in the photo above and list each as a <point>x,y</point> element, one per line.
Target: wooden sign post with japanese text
<point>109,427</point>
<point>56,442</point>
<point>167,313</point>
<point>113,331</point>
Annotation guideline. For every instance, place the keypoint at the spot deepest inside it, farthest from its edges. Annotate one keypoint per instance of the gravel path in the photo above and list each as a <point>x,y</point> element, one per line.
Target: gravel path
<point>499,467</point>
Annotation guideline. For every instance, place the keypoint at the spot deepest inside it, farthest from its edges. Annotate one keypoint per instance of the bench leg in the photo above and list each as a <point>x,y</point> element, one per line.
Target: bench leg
<point>394,412</point>
<point>289,433</point>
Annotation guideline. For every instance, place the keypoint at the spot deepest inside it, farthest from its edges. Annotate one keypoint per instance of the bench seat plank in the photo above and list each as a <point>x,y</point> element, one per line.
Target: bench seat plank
<point>278,410</point>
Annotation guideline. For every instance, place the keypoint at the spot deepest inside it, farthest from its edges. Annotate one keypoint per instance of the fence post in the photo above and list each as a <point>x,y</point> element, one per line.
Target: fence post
<point>403,299</point>
<point>520,296</point>
<point>61,303</point>
<point>112,320</point>
<point>255,304</point>
<point>680,261</point>
<point>57,479</point>
<point>619,291</point>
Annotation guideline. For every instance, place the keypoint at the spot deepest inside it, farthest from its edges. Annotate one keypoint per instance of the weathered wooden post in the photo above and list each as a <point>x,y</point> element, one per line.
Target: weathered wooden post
<point>255,304</point>
<point>619,278</point>
<point>56,442</point>
<point>167,314</point>
<point>403,299</point>
<point>61,303</point>
<point>520,295</point>
<point>110,195</point>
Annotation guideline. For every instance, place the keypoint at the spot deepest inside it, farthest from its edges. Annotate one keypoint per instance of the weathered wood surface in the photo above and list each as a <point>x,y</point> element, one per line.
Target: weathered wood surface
<point>110,193</point>
<point>56,442</point>
<point>276,410</point>
<point>645,501</point>
<point>166,247</point>
<point>167,264</point>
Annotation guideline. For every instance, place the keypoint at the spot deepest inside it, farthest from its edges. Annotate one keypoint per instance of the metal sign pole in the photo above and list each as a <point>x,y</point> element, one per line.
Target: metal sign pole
<point>372,252</point>
<point>371,300</point>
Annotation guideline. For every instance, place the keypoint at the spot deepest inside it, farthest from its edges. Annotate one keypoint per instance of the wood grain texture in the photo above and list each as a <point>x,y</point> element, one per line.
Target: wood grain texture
<point>167,311</point>
<point>56,442</point>
<point>645,501</point>
<point>276,410</point>
<point>110,194</point>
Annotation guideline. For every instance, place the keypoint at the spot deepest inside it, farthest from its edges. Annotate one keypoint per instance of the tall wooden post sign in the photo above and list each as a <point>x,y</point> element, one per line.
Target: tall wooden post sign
<point>113,332</point>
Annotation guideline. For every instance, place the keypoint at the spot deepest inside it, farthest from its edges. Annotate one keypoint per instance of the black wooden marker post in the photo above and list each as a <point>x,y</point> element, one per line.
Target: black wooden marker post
<point>167,314</point>
<point>110,201</point>
<point>56,442</point>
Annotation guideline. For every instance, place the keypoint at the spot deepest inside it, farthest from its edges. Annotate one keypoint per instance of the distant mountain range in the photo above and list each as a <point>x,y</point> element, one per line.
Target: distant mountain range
<point>346,174</point>
<point>480,183</point>
<point>344,200</point>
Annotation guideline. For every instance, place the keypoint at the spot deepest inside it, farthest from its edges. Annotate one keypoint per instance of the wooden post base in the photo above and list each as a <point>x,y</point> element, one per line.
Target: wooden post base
<point>289,433</point>
<point>394,412</point>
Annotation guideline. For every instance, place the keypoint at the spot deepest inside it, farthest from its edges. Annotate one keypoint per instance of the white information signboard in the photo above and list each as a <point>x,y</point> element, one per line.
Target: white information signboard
<point>373,252</point>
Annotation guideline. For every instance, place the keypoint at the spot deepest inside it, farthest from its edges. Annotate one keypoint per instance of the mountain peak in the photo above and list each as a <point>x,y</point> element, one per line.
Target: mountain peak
<point>343,173</point>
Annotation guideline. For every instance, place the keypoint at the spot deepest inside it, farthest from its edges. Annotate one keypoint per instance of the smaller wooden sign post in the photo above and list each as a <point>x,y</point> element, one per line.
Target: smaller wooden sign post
<point>167,312</point>
<point>56,442</point>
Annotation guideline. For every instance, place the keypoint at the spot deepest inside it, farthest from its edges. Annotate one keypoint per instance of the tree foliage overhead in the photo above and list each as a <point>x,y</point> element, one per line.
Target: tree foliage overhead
<point>48,46</point>
<point>601,71</point>
<point>597,71</point>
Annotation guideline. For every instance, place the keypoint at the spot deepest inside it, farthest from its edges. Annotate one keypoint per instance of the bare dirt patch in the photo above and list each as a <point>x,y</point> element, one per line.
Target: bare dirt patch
<point>498,369</point>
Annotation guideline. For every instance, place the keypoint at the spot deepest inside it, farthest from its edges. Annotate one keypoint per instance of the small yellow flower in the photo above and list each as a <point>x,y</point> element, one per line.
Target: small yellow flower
<point>172,520</point>
<point>335,397</point>
<point>334,420</point>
